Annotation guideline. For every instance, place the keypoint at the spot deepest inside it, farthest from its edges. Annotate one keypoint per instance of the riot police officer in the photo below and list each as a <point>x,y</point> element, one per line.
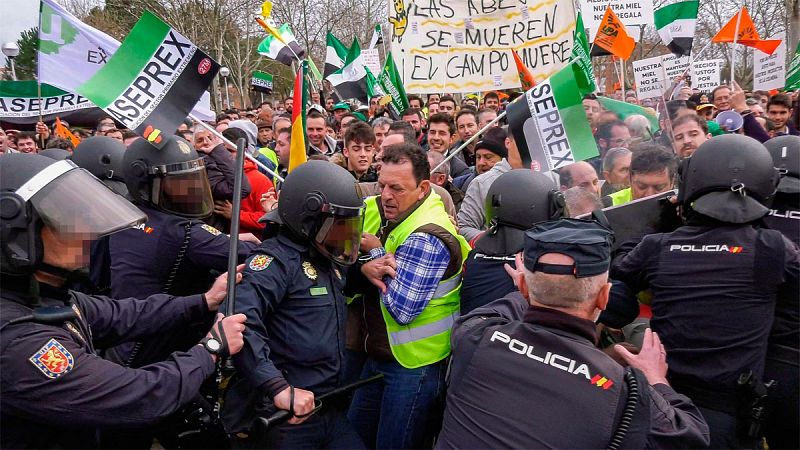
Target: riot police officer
<point>174,251</point>
<point>55,390</point>
<point>515,201</point>
<point>783,354</point>
<point>720,274</point>
<point>524,365</point>
<point>292,295</point>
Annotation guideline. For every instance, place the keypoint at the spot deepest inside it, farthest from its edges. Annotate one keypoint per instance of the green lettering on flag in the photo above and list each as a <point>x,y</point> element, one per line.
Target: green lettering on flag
<point>793,71</point>
<point>55,32</point>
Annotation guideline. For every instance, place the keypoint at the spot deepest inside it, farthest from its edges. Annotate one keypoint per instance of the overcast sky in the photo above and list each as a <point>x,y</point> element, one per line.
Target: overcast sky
<point>17,16</point>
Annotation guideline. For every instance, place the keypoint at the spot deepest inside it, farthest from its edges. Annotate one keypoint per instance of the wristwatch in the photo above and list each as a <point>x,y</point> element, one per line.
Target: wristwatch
<point>211,344</point>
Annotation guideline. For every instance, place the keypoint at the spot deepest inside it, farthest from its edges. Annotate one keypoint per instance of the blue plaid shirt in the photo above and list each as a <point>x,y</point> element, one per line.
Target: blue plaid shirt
<point>421,262</point>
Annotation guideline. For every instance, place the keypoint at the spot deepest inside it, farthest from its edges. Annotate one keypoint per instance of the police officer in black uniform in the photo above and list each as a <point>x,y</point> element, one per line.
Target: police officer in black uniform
<point>783,353</point>
<point>55,390</point>
<point>292,295</point>
<point>102,157</point>
<point>174,251</point>
<point>526,373</point>
<point>715,282</point>
<point>515,201</point>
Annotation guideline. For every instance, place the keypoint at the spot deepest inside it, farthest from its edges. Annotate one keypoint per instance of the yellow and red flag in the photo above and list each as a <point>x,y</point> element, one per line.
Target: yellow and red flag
<point>525,76</point>
<point>64,133</point>
<point>747,33</point>
<point>297,148</point>
<point>613,37</point>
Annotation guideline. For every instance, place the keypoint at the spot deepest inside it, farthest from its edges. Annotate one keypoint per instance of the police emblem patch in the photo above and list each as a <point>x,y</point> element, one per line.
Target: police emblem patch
<point>310,271</point>
<point>53,360</point>
<point>210,229</point>
<point>260,262</point>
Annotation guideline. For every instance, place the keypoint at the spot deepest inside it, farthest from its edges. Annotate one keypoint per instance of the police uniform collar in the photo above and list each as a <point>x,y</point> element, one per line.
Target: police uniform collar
<point>286,237</point>
<point>559,320</point>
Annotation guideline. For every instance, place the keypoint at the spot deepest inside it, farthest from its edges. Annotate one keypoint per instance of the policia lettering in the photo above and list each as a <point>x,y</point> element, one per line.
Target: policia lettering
<point>551,359</point>
<point>153,82</point>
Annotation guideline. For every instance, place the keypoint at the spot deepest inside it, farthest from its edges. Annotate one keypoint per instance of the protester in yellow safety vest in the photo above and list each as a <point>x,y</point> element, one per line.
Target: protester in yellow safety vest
<point>652,172</point>
<point>414,258</point>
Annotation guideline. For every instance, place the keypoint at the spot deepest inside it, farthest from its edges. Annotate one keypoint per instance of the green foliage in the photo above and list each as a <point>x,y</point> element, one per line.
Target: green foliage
<point>25,62</point>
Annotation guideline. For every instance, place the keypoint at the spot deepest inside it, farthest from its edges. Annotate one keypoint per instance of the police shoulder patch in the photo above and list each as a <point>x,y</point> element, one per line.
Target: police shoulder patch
<point>210,229</point>
<point>260,262</point>
<point>53,359</point>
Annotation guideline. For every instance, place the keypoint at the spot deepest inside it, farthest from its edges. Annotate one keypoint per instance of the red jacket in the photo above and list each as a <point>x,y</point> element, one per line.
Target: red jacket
<point>251,205</point>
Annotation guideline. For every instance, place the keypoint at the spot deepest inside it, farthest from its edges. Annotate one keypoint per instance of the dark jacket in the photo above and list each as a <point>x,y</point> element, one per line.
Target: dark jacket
<point>56,390</point>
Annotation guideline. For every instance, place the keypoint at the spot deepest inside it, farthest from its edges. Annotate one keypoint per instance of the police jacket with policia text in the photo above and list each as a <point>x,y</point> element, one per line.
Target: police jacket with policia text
<point>296,310</point>
<point>55,390</point>
<point>168,251</point>
<point>724,281</point>
<point>531,377</point>
<point>425,340</point>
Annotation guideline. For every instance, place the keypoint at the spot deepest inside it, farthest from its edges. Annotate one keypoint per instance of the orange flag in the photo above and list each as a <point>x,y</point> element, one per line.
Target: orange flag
<point>613,37</point>
<point>525,76</point>
<point>748,35</point>
<point>64,133</point>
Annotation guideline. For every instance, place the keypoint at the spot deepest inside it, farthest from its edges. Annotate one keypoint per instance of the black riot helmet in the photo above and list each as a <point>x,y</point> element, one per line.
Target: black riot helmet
<point>172,179</point>
<point>102,157</point>
<point>515,202</point>
<point>37,191</point>
<point>785,151</point>
<point>729,178</point>
<point>58,154</point>
<point>321,202</point>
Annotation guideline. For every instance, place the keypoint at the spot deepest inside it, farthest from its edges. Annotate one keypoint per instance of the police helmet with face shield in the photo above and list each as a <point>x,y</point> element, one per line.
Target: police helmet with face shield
<point>172,179</point>
<point>320,201</point>
<point>102,157</point>
<point>729,178</point>
<point>37,191</point>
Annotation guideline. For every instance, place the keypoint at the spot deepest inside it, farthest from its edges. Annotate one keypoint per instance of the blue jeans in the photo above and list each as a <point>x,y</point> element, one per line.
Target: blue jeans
<point>404,410</point>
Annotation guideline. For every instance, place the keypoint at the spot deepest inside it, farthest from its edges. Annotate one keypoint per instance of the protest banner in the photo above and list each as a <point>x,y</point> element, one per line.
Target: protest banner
<point>649,76</point>
<point>632,13</point>
<point>769,71</point>
<point>463,45</point>
<point>549,125</point>
<point>372,59</point>
<point>261,81</point>
<point>20,100</point>
<point>136,85</point>
<point>706,74</point>
<point>674,66</point>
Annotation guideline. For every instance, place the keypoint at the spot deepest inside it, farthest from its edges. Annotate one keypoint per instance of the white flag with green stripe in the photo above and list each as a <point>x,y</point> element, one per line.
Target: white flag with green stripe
<point>676,25</point>
<point>153,80</point>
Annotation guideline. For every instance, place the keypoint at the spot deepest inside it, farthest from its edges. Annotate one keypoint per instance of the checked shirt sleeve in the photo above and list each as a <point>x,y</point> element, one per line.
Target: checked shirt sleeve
<point>421,263</point>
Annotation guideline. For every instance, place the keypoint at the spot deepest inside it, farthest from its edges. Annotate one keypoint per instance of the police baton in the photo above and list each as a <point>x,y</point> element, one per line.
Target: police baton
<point>284,415</point>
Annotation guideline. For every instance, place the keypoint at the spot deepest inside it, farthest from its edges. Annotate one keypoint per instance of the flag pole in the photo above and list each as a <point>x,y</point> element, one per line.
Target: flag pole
<point>622,77</point>
<point>225,140</point>
<point>733,47</point>
<point>472,139</point>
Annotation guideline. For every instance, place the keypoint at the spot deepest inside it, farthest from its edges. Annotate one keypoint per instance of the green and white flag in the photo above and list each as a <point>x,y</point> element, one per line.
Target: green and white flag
<point>350,82</point>
<point>793,72</point>
<point>549,123</point>
<point>623,110</point>
<point>580,55</point>
<point>20,101</point>
<point>335,54</point>
<point>676,25</point>
<point>389,85</point>
<point>273,48</point>
<point>377,36</point>
<point>152,81</point>
<point>261,81</point>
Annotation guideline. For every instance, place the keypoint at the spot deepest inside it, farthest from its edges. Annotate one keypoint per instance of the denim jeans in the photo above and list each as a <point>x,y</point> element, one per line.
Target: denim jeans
<point>404,410</point>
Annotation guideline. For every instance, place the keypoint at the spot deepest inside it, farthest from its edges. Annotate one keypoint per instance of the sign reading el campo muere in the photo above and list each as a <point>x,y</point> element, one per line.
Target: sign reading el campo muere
<point>465,45</point>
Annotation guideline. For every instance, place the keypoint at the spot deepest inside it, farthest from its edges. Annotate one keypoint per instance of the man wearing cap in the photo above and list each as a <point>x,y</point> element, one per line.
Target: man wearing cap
<point>524,365</point>
<point>339,110</point>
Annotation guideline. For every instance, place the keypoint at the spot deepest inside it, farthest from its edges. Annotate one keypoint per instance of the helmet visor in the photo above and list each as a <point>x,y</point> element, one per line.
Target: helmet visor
<point>183,189</point>
<point>339,235</point>
<point>78,205</point>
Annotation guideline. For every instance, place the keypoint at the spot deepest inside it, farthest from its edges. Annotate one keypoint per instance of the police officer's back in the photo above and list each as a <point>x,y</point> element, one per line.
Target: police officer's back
<point>715,280</point>
<point>784,215</point>
<point>526,373</point>
<point>292,295</point>
<point>55,390</point>
<point>515,201</point>
<point>173,252</point>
